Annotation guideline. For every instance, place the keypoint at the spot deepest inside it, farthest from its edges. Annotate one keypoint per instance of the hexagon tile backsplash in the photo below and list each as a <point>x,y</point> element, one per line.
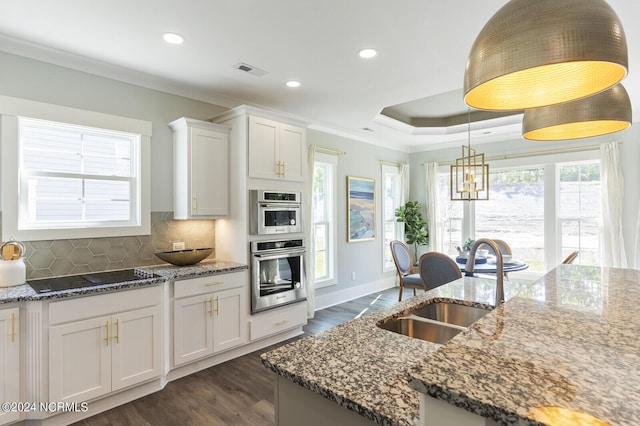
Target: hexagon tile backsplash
<point>53,258</point>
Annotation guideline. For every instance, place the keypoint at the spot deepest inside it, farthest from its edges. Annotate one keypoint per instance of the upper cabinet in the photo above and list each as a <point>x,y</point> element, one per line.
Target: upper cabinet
<point>201,169</point>
<point>276,150</point>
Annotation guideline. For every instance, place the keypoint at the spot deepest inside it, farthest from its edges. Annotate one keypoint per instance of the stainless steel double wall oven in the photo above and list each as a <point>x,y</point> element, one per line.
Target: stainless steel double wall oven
<point>277,269</point>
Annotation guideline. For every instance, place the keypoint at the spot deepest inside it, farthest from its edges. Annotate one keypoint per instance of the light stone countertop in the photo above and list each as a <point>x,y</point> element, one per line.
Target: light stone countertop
<point>574,345</point>
<point>570,339</point>
<point>363,367</point>
<point>166,272</point>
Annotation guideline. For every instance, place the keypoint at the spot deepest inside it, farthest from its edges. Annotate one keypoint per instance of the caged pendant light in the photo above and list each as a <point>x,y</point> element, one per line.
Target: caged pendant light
<point>469,176</point>
<point>600,114</point>
<point>534,53</point>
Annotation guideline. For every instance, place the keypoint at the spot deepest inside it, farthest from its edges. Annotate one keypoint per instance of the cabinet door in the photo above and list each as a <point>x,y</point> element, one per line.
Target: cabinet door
<point>9,362</point>
<point>209,173</point>
<point>263,140</point>
<point>291,151</point>
<point>136,347</point>
<point>192,328</point>
<point>230,328</point>
<point>80,360</point>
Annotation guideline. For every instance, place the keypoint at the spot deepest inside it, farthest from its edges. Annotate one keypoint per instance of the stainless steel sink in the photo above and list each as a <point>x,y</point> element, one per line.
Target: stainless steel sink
<point>436,322</point>
<point>451,313</point>
<point>420,329</point>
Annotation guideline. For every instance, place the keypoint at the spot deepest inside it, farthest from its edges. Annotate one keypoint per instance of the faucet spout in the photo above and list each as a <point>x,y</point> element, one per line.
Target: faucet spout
<point>499,266</point>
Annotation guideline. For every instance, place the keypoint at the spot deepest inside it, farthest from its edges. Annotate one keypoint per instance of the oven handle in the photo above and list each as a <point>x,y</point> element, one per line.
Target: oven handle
<point>278,253</point>
<point>280,206</point>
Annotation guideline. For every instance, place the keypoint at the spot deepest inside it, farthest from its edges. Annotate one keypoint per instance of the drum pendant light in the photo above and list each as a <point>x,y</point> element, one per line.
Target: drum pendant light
<point>534,53</point>
<point>600,114</point>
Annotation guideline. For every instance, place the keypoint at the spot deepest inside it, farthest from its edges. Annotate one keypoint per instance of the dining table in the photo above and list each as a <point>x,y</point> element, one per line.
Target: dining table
<point>488,265</point>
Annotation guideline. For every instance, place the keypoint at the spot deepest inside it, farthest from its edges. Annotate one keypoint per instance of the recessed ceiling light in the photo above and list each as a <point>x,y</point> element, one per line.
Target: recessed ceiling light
<point>368,53</point>
<point>293,83</point>
<point>173,38</point>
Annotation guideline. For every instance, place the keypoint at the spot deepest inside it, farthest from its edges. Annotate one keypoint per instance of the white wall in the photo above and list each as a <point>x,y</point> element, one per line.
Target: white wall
<point>629,159</point>
<point>363,258</point>
<point>21,77</point>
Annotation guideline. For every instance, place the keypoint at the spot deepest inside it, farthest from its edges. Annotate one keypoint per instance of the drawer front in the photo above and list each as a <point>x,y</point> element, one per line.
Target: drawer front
<point>103,304</point>
<point>208,284</point>
<point>281,319</point>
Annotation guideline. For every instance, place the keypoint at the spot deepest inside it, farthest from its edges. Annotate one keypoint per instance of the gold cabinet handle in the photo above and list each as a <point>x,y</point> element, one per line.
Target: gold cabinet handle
<point>195,203</point>
<point>106,328</point>
<point>217,305</point>
<point>214,283</point>
<point>283,322</point>
<point>211,306</point>
<point>283,172</point>
<point>13,328</point>
<point>278,172</point>
<point>117,331</point>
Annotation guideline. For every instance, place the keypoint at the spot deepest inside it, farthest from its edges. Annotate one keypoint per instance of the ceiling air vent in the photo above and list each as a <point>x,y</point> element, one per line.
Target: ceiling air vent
<point>250,69</point>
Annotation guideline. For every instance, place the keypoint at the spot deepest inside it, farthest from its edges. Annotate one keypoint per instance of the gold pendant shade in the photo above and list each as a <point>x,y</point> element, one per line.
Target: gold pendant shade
<point>534,53</point>
<point>600,114</point>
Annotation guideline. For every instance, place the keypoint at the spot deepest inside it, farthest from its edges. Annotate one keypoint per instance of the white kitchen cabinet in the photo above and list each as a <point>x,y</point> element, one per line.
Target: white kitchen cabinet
<point>211,322</point>
<point>9,362</point>
<point>276,150</point>
<point>201,169</point>
<point>91,357</point>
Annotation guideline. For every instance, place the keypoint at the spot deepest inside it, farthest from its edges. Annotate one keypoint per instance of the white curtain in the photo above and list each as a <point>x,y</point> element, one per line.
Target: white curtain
<point>404,183</point>
<point>433,219</point>
<point>310,244</point>
<point>612,187</point>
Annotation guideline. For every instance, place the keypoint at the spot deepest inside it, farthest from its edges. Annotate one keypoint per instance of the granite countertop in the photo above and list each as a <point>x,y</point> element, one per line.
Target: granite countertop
<point>166,272</point>
<point>363,367</point>
<point>573,345</point>
<point>567,340</point>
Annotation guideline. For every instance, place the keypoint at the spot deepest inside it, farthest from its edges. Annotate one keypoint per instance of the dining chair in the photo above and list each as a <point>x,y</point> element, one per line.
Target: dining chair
<point>402,259</point>
<point>437,269</point>
<point>569,259</point>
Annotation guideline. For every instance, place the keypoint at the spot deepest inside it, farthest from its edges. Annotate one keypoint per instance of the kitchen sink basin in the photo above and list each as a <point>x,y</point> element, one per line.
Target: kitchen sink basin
<point>451,313</point>
<point>420,329</point>
<point>436,322</point>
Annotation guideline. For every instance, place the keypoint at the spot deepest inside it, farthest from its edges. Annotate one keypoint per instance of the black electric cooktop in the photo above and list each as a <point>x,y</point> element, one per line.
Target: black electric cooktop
<point>47,285</point>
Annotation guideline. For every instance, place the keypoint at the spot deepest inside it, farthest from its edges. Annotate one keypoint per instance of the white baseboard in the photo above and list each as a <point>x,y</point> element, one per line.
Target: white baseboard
<point>350,293</point>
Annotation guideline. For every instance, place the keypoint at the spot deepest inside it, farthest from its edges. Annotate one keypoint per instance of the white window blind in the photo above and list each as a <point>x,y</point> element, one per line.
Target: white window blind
<point>76,176</point>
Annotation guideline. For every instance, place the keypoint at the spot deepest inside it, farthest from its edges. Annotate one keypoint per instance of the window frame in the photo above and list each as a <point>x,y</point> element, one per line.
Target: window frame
<point>331,161</point>
<point>12,109</point>
<point>551,164</point>
<point>387,169</point>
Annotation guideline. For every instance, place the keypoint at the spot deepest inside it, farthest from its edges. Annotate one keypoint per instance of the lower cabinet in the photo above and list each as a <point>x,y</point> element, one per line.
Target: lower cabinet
<point>9,362</point>
<point>211,322</point>
<point>92,357</point>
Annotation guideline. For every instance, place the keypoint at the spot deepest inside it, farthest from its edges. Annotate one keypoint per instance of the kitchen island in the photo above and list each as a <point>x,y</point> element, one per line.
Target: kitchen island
<point>569,340</point>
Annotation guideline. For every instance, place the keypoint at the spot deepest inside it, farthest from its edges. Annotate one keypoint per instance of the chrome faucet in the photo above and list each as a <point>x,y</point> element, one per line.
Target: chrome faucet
<point>499,266</point>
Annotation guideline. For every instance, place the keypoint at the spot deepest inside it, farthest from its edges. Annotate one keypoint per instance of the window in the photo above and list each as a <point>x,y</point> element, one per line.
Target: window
<point>451,217</point>
<point>73,176</point>
<point>580,211</point>
<point>324,219</point>
<point>391,185</point>
<point>543,211</point>
<point>83,175</point>
<point>514,213</point>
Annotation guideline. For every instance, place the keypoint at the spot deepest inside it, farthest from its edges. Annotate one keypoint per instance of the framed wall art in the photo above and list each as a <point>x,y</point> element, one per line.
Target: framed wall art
<point>361,209</point>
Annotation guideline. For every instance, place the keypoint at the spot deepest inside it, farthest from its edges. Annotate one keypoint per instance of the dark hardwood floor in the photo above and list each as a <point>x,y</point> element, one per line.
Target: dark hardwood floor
<point>237,392</point>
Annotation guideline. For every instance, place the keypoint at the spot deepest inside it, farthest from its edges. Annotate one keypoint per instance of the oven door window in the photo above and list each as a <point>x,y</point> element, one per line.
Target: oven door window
<point>280,217</point>
<point>278,275</point>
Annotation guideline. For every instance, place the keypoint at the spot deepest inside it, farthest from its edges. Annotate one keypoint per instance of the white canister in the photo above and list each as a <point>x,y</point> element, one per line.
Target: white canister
<point>12,272</point>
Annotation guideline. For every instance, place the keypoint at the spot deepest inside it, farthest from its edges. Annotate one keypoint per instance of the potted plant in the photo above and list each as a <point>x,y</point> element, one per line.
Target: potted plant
<point>415,227</point>
<point>466,248</point>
